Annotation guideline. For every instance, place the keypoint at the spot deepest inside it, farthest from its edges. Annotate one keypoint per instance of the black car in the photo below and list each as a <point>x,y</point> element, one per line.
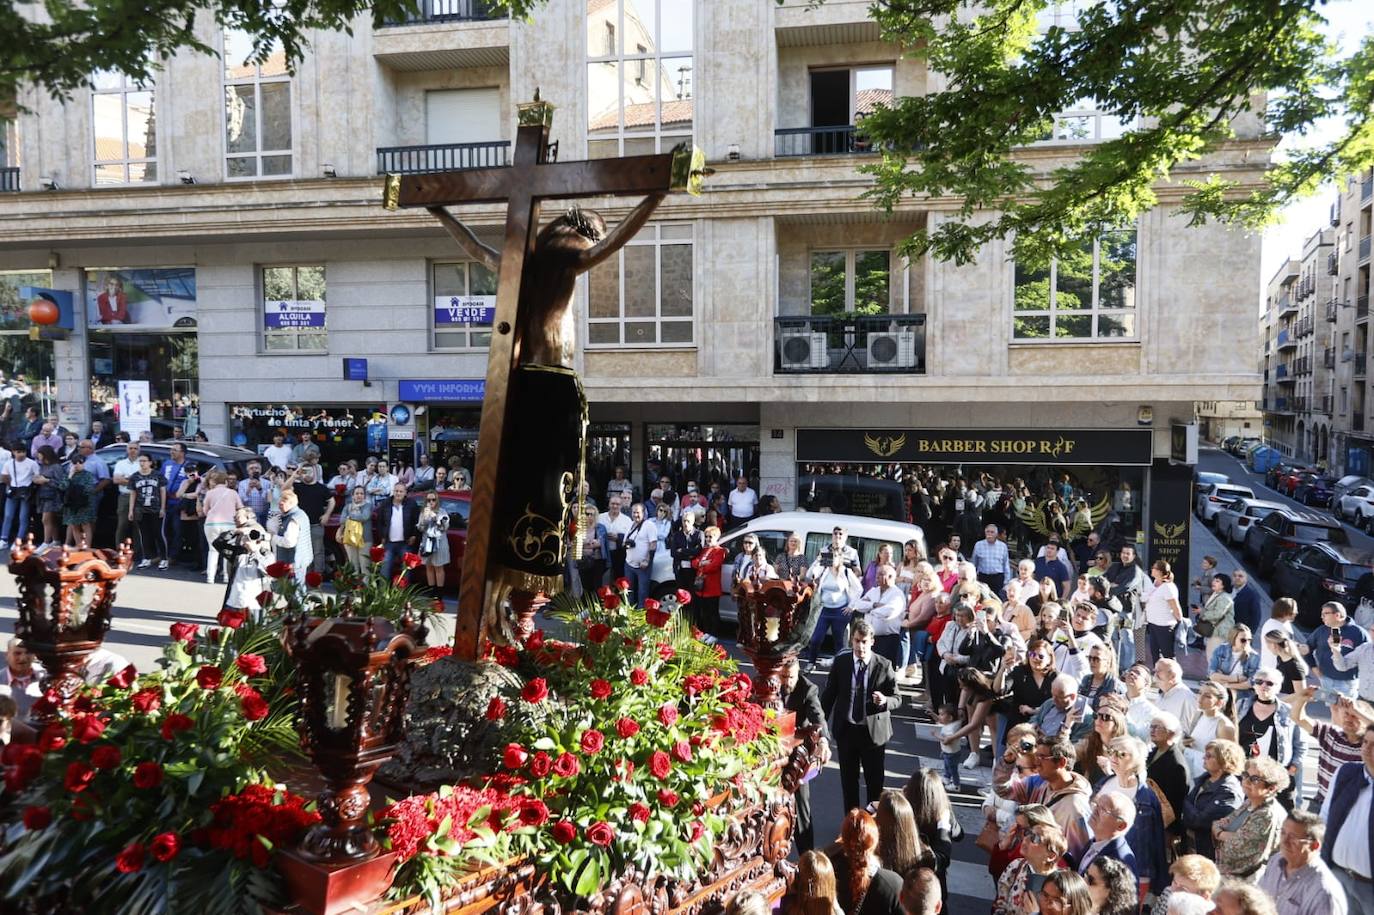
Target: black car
<point>1287,529</point>
<point>1314,489</point>
<point>1319,572</point>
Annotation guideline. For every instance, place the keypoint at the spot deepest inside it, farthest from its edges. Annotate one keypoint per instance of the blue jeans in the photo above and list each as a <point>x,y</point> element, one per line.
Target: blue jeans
<point>890,647</point>
<point>918,646</point>
<point>14,507</point>
<point>833,620</point>
<point>395,553</point>
<point>1327,691</point>
<point>951,761</point>
<point>640,583</point>
<point>1125,648</point>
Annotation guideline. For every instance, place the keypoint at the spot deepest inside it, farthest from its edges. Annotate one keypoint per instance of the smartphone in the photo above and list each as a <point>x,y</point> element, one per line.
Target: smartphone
<point>1335,633</point>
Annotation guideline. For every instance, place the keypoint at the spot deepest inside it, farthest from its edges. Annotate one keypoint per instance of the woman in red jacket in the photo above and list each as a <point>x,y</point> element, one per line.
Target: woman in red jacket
<point>706,590</point>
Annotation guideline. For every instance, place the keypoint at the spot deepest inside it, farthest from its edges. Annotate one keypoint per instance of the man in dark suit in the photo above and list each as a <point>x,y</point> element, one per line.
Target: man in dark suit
<point>802,696</point>
<point>1112,817</point>
<point>397,529</point>
<point>859,697</point>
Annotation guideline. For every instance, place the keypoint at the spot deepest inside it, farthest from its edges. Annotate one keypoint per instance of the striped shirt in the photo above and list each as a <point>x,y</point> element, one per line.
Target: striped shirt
<point>1336,751</point>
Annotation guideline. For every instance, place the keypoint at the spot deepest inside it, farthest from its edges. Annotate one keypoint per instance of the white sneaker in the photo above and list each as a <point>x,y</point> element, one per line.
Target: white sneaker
<point>972,761</point>
<point>949,784</point>
<point>4,544</point>
<point>162,566</point>
<point>144,564</point>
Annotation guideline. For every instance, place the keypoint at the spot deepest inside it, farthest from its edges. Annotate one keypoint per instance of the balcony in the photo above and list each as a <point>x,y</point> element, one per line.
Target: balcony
<point>9,180</point>
<point>1302,365</point>
<point>1364,249</point>
<point>1286,341</point>
<point>444,35</point>
<point>1302,404</point>
<point>1326,404</point>
<point>818,141</point>
<point>448,157</point>
<point>1329,357</point>
<point>448,11</point>
<point>1287,305</point>
<point>1332,309</point>
<point>849,345</point>
<point>1303,327</point>
<point>1361,307</point>
<point>1360,364</point>
<point>1279,405</point>
<point>1366,188</point>
<point>1281,373</point>
<point>1333,264</point>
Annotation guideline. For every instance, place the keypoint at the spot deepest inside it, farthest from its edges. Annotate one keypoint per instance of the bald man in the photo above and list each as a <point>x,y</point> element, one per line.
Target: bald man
<point>1111,818</point>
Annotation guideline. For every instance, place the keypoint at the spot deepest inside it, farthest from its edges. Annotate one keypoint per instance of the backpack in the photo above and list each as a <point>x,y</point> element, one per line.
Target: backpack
<point>74,498</point>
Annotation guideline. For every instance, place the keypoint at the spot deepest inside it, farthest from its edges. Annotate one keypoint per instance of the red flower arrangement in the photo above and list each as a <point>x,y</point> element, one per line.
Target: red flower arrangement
<point>242,821</point>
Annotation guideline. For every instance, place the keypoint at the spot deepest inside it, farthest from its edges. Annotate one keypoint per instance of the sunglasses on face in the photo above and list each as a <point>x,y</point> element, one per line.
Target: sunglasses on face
<point>1265,683</point>
<point>1118,754</point>
<point>1243,640</point>
<point>1254,779</point>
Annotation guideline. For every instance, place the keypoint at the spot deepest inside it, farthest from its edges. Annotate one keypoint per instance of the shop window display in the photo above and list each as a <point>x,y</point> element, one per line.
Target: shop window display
<point>170,362</point>
<point>702,453</point>
<point>342,431</point>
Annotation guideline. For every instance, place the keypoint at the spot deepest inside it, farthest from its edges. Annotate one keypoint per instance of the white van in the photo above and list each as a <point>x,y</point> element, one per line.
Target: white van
<point>866,535</point>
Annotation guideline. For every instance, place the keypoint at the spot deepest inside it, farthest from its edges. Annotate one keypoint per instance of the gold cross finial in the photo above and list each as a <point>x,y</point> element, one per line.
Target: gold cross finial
<point>537,113</point>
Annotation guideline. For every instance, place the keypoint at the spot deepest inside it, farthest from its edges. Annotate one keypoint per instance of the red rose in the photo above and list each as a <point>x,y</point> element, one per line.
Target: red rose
<point>412,560</point>
<point>592,741</point>
<point>377,553</point>
<point>651,604</point>
<point>667,798</point>
<point>130,860</point>
<point>54,737</point>
<point>146,700</point>
<point>566,765</point>
<point>683,596</point>
<point>147,775</point>
<point>36,818</point>
<point>313,579</point>
<point>611,601</point>
<point>124,679</point>
<point>604,591</point>
<point>254,707</point>
<point>209,677</point>
<point>230,618</point>
<point>541,764</point>
<point>666,652</point>
<point>667,714</point>
<point>252,665</point>
<point>622,584</point>
<point>534,813</point>
<point>600,689</point>
<point>535,640</point>
<point>598,633</point>
<point>106,757</point>
<point>627,727</point>
<point>265,598</point>
<point>657,617</point>
<point>600,833</point>
<point>88,728</point>
<point>184,632</point>
<point>682,751</point>
<point>660,765</point>
<point>515,756</point>
<point>165,846</point>
<point>695,831</point>
<point>698,808</point>
<point>279,570</point>
<point>537,690</point>
<point>84,705</point>
<point>564,832</point>
<point>496,709</point>
<point>639,676</point>
<point>640,812</point>
<point>174,724</point>
<point>78,778</point>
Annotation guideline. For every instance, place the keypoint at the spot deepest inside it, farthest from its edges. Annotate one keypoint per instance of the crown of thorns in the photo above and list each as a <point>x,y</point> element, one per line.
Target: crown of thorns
<point>580,224</point>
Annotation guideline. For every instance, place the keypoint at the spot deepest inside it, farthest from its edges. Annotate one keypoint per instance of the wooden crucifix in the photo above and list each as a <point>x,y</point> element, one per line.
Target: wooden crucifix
<point>526,489</point>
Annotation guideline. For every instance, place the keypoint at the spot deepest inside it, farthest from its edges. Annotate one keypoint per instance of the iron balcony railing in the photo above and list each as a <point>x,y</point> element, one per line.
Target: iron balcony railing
<point>1362,306</point>
<point>819,141</point>
<point>1301,404</point>
<point>1331,310</point>
<point>1333,264</point>
<point>9,180</point>
<point>1280,404</point>
<point>849,345</point>
<point>448,11</point>
<point>1364,248</point>
<point>1366,188</point>
<point>447,157</point>
<point>1359,364</point>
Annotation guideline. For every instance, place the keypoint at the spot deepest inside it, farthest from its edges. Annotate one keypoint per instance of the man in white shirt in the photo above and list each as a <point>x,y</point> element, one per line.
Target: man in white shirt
<point>884,606</point>
<point>21,677</point>
<point>617,525</point>
<point>640,542</point>
<point>742,501</point>
<point>1349,823</point>
<point>1174,695</point>
<point>619,486</point>
<point>838,544</point>
<point>278,453</point>
<point>17,472</point>
<point>123,471</point>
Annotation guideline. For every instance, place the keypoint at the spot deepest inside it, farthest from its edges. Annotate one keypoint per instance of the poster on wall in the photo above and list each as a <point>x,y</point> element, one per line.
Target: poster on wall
<point>152,298</point>
<point>464,309</point>
<point>289,313</point>
<point>135,409</point>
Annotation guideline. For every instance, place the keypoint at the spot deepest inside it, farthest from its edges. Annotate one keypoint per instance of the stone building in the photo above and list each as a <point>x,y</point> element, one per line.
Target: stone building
<point>770,327</point>
<point>1348,310</point>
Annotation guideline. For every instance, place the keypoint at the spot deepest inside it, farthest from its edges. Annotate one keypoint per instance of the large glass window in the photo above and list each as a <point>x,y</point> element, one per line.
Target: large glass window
<point>643,296</point>
<point>639,76</point>
<point>464,303</point>
<point>294,309</point>
<point>1086,295</point>
<point>27,370</point>
<point>342,431</point>
<point>706,454</point>
<point>850,281</point>
<point>608,447</point>
<point>257,111</point>
<point>169,362</point>
<point>124,130</point>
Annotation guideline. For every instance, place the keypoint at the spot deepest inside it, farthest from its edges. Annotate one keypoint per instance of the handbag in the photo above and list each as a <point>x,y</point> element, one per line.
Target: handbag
<point>352,533</point>
<point>1204,628</point>
<point>989,837</point>
<point>699,584</point>
<point>1165,808</point>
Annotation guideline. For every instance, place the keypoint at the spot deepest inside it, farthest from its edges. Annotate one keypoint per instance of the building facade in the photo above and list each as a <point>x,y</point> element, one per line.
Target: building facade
<point>223,235</point>
<point>1348,311</point>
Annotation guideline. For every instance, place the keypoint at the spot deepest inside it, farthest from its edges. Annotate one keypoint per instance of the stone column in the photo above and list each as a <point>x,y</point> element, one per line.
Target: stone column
<point>71,362</point>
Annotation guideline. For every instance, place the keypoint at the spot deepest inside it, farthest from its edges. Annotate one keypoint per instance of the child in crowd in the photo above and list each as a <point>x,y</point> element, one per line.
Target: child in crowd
<point>951,747</point>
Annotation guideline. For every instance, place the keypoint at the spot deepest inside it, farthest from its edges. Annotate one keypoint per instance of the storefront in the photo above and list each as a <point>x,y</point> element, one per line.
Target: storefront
<point>27,370</point>
<point>447,414</point>
<point>342,431</point>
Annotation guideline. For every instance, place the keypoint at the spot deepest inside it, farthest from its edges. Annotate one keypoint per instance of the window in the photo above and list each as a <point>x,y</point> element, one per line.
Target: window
<point>464,303</point>
<point>1088,295</point>
<point>639,76</point>
<point>257,111</point>
<point>9,143</point>
<point>850,281</point>
<point>123,130</point>
<point>294,309</point>
<point>643,295</point>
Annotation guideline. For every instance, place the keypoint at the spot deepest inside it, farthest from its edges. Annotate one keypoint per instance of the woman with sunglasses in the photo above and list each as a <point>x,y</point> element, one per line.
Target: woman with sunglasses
<point>1215,795</point>
<point>1267,727</point>
<point>1211,724</point>
<point>1042,847</point>
<point>949,568</point>
<point>1233,664</point>
<point>1111,887</point>
<point>1029,682</point>
<point>1108,725</point>
<point>1126,757</point>
<point>1247,838</point>
<point>433,528</point>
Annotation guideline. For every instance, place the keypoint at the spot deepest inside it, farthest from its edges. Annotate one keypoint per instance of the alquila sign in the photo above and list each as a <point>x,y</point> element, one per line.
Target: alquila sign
<point>994,446</point>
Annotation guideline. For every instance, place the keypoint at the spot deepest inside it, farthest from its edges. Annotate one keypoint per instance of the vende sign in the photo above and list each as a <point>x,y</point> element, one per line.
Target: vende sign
<point>281,313</point>
<point>464,309</point>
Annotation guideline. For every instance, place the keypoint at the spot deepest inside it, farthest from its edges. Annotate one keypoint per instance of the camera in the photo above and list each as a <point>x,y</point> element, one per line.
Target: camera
<point>629,544</point>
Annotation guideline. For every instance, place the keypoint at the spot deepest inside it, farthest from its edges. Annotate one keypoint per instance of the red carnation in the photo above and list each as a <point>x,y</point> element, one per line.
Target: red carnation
<point>106,757</point>
<point>666,652</point>
<point>130,860</point>
<point>660,765</point>
<point>627,727</point>
<point>640,812</point>
<point>230,618</point>
<point>515,756</point>
<point>535,691</point>
<point>622,584</point>
<point>252,665</point>
<point>412,560</point>
<point>78,778</point>
<point>667,714</point>
<point>174,724</point>
<point>535,640</point>
<point>683,596</point>
<point>147,775</point>
<point>496,709</point>
<point>695,831</point>
<point>598,633</point>
<point>611,601</point>
<point>146,700</point>
<point>377,553</point>
<point>165,846</point>
<point>600,689</point>
<point>184,632</point>
<point>564,832</point>
<point>682,751</point>
<point>209,677</point>
<point>124,679</point>
<point>534,813</point>
<point>254,707</point>
<point>505,655</point>
<point>639,676</point>
<point>656,617</point>
<point>600,833</point>
<point>88,728</point>
<point>566,765</point>
<point>279,570</point>
<point>541,764</point>
<point>54,737</point>
<point>667,798</point>
<point>313,579</point>
<point>36,818</point>
<point>592,741</point>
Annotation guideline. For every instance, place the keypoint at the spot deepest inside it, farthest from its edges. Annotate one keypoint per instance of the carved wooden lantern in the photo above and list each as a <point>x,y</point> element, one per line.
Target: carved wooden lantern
<point>65,599</point>
<point>776,618</point>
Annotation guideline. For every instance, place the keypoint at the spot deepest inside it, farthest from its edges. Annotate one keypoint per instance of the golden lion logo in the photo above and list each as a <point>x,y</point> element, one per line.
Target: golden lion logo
<point>1170,531</point>
<point>884,446</point>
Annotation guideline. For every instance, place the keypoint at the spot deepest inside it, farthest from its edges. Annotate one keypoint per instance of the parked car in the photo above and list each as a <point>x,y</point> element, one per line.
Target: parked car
<point>1229,443</point>
<point>1317,573</point>
<point>1286,529</point>
<point>1276,472</point>
<point>1357,506</point>
<point>1235,518</point>
<point>1245,444</point>
<point>1203,478</point>
<point>1288,482</point>
<point>1214,496</point>
<point>1345,484</point>
<point>1314,489</point>
<point>457,504</point>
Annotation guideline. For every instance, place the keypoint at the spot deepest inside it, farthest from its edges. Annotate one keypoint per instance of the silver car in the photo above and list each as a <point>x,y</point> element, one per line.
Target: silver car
<point>1213,497</point>
<point>1235,517</point>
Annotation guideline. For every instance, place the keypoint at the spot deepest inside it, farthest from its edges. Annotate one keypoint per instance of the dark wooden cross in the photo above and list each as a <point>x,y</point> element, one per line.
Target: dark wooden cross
<point>530,179</point>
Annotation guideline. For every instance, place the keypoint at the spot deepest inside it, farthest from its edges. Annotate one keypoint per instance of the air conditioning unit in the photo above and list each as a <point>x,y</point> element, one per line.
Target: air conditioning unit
<point>892,350</point>
<point>804,351</point>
